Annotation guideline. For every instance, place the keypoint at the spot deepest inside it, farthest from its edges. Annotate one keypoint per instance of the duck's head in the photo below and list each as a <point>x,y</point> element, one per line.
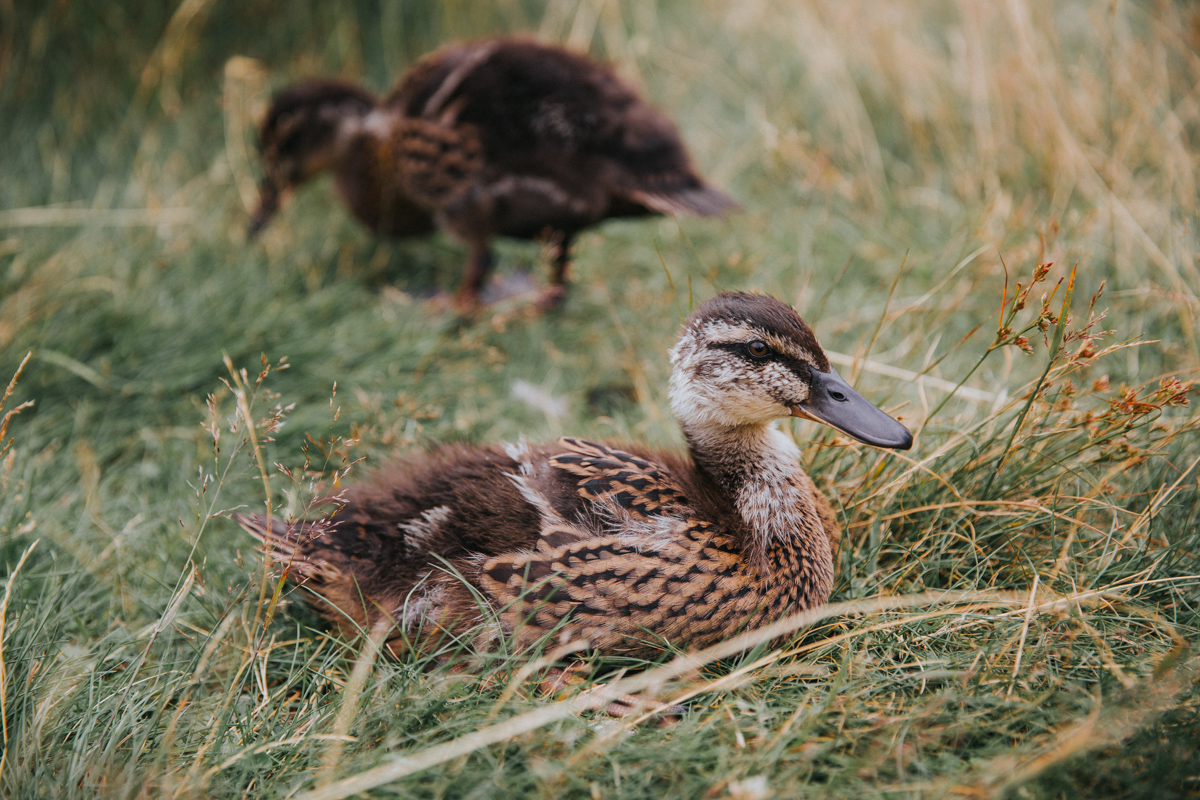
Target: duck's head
<point>744,360</point>
<point>300,137</point>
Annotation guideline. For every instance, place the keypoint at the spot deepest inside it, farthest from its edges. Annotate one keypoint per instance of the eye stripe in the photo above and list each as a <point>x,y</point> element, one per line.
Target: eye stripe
<point>800,368</point>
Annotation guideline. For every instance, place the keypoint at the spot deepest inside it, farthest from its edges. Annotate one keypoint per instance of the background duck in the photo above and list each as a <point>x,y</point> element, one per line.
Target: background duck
<point>492,137</point>
<point>620,546</point>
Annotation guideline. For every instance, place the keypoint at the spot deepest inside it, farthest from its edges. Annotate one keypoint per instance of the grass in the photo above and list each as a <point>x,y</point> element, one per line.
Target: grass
<point>1016,608</point>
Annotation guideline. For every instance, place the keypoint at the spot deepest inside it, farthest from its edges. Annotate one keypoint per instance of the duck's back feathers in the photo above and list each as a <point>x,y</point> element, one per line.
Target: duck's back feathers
<point>524,95</point>
<point>538,112</point>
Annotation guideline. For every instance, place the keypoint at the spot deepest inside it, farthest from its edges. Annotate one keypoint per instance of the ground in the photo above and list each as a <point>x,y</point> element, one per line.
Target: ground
<point>1016,606</point>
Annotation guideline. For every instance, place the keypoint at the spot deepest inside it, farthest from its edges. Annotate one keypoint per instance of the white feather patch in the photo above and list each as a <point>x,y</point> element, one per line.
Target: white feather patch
<point>419,532</point>
<point>422,605</point>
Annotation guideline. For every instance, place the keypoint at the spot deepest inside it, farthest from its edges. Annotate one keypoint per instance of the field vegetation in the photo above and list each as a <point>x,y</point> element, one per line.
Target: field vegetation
<point>988,213</point>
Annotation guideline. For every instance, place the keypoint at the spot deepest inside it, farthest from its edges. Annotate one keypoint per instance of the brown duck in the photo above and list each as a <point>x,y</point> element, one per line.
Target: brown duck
<point>493,137</point>
<point>617,545</point>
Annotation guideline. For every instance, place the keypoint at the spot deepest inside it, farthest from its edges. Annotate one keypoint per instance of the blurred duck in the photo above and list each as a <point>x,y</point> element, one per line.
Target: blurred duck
<point>615,545</point>
<point>492,137</point>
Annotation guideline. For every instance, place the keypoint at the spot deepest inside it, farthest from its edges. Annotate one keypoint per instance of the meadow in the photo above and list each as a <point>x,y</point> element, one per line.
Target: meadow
<point>988,214</point>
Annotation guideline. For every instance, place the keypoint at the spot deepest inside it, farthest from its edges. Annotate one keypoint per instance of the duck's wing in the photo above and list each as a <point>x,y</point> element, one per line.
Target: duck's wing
<point>620,592</point>
<point>610,477</point>
<point>582,490</point>
<point>626,576</point>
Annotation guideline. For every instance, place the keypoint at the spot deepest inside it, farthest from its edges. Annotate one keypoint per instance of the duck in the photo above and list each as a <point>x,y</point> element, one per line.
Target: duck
<point>484,138</point>
<point>615,548</point>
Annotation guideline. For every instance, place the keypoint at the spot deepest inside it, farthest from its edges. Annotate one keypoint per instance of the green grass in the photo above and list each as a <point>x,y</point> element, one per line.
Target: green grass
<point>1016,612</point>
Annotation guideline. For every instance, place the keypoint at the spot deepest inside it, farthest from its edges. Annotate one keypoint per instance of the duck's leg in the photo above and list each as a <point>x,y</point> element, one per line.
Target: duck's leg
<point>479,267</point>
<point>560,252</point>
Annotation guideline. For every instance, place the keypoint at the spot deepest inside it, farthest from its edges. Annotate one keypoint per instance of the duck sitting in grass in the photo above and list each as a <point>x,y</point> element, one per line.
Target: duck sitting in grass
<point>614,545</point>
<point>492,137</point>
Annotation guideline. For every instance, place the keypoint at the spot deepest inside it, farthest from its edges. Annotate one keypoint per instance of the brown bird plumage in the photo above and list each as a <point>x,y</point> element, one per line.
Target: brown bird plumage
<point>620,546</point>
<point>496,137</point>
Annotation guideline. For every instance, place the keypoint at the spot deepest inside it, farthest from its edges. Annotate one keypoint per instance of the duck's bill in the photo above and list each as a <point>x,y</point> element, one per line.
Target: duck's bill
<point>832,402</point>
<point>268,204</point>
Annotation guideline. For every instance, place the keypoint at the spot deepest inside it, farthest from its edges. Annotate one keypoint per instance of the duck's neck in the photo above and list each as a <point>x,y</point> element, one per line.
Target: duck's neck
<point>759,467</point>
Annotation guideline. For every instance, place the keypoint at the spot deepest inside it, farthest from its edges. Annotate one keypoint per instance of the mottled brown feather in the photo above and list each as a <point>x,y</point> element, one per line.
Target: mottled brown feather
<point>616,592</point>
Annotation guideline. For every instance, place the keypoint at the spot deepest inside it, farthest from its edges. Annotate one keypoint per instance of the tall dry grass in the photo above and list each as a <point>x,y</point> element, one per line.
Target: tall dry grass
<point>1017,598</point>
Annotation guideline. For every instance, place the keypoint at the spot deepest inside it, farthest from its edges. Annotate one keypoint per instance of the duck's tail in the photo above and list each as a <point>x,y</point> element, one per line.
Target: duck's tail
<point>288,545</point>
<point>699,199</point>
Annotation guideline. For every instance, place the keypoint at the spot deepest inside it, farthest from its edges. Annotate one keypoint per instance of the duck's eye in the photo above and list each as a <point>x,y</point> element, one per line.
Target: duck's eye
<point>758,349</point>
